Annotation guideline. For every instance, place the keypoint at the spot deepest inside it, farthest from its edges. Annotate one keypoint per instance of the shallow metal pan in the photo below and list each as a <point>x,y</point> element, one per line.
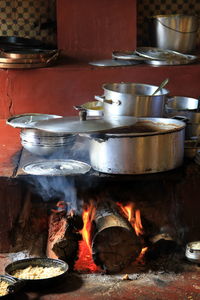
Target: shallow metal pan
<point>40,262</point>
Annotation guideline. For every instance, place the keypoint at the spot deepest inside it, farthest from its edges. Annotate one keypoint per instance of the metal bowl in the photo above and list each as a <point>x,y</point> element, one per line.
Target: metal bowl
<point>192,251</point>
<point>37,262</point>
<point>93,108</point>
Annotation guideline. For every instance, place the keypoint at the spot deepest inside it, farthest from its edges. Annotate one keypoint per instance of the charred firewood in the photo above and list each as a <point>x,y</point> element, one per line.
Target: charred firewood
<point>113,240</point>
<point>63,236</point>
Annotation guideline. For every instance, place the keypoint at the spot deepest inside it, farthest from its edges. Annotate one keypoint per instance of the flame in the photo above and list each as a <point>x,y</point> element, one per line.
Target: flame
<point>85,261</point>
<point>87,216</point>
<point>133,216</point>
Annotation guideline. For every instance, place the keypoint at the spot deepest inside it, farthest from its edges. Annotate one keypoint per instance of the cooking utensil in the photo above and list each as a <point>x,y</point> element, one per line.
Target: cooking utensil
<point>132,99</point>
<point>37,262</point>
<point>175,31</point>
<point>192,251</point>
<point>162,85</point>
<point>57,167</point>
<point>151,145</point>
<point>73,125</point>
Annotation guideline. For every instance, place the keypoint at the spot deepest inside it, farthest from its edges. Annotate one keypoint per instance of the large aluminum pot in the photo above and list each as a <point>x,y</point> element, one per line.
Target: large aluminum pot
<point>175,32</point>
<point>132,99</point>
<point>151,145</point>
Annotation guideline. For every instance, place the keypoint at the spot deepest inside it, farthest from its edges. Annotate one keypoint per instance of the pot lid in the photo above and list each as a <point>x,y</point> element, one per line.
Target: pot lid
<point>161,54</point>
<point>127,55</point>
<point>57,167</point>
<point>28,120</point>
<point>112,63</point>
<point>91,125</point>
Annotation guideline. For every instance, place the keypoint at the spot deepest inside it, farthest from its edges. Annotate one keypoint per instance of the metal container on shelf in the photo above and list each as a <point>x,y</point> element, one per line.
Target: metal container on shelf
<point>175,31</point>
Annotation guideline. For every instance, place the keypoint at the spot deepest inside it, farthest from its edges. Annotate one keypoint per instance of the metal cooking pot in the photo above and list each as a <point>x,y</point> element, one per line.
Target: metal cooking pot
<point>178,105</point>
<point>44,143</point>
<point>132,99</point>
<point>193,126</point>
<point>151,145</point>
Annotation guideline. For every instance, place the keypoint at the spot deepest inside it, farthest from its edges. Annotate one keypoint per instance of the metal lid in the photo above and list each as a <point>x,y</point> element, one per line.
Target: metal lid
<point>92,125</point>
<point>57,167</point>
<point>162,54</point>
<point>112,63</point>
<point>28,120</point>
<point>127,55</point>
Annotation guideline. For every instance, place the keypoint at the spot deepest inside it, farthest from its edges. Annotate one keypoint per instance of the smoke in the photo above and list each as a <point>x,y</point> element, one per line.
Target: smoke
<point>62,188</point>
<point>56,187</point>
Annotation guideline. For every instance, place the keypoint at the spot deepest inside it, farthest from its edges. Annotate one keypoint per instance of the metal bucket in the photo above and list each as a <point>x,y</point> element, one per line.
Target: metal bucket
<point>175,32</point>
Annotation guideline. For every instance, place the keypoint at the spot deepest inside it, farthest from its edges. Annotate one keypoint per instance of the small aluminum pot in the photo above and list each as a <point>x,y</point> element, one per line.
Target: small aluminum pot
<point>192,251</point>
<point>151,145</point>
<point>132,99</point>
<point>193,126</point>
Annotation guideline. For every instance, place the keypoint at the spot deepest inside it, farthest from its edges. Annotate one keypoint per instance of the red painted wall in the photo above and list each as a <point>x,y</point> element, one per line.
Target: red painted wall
<point>55,90</point>
<point>92,29</point>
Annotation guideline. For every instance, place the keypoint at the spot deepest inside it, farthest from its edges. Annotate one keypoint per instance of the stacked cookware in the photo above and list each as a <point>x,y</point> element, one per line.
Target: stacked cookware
<point>188,110</point>
<point>128,134</point>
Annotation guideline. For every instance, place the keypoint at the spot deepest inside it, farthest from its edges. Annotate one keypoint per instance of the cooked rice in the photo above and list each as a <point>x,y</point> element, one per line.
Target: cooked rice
<point>3,288</point>
<point>37,272</point>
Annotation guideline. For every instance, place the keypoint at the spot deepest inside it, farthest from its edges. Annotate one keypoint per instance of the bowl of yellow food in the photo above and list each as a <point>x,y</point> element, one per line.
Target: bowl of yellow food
<point>37,270</point>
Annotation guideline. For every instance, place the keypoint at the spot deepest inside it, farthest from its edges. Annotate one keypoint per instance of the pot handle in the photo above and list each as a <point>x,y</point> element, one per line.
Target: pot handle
<point>181,118</point>
<point>102,99</point>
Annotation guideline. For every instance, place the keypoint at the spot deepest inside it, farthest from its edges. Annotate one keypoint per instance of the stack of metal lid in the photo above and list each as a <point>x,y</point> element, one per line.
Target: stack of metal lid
<point>155,56</point>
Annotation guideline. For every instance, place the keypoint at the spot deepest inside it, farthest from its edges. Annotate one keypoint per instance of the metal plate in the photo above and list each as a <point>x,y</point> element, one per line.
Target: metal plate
<point>127,55</point>
<point>190,59</point>
<point>112,63</point>
<point>28,120</point>
<point>72,125</point>
<point>165,55</point>
<point>56,167</point>
<point>24,65</point>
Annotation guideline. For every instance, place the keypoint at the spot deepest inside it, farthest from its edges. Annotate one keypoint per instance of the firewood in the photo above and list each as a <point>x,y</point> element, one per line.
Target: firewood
<point>114,242</point>
<point>63,237</point>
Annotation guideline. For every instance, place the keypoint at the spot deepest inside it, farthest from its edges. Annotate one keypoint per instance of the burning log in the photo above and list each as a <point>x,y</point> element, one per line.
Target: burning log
<point>114,242</point>
<point>63,236</point>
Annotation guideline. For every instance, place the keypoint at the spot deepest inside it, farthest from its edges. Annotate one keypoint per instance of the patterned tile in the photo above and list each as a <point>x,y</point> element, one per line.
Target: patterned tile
<point>28,18</point>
